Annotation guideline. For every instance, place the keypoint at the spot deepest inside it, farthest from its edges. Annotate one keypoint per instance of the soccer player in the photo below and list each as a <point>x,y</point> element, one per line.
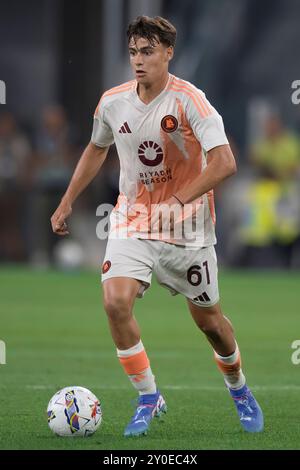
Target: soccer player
<point>173,151</point>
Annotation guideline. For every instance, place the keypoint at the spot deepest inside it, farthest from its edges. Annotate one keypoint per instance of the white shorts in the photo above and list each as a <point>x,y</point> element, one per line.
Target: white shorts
<point>192,273</point>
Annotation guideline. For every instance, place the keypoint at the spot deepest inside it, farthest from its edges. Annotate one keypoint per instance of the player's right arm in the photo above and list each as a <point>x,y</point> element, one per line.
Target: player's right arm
<point>86,169</point>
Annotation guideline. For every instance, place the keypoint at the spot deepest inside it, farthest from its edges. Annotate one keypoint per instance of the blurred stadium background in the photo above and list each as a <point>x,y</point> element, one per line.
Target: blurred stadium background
<point>56,58</point>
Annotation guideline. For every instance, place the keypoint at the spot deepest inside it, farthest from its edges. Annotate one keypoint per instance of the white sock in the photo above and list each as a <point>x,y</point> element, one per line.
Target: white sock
<point>234,377</point>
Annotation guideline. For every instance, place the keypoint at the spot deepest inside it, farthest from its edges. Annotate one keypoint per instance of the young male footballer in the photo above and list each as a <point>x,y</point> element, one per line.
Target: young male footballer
<point>173,151</point>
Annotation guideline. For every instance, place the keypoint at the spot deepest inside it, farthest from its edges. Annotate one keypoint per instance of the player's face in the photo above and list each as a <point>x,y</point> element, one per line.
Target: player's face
<point>149,62</point>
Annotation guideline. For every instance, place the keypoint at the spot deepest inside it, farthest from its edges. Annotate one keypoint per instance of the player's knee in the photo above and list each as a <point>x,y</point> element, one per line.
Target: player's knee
<point>117,306</point>
<point>212,328</point>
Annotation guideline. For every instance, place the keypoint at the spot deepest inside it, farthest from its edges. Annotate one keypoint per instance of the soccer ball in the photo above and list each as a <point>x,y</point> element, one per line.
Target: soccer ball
<point>74,411</point>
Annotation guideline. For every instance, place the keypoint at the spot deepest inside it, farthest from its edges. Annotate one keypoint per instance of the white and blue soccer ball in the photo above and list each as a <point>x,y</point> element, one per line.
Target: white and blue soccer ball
<point>74,411</point>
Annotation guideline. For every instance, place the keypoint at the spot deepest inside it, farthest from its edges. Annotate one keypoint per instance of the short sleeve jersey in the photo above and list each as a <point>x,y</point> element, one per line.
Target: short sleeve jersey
<point>162,148</point>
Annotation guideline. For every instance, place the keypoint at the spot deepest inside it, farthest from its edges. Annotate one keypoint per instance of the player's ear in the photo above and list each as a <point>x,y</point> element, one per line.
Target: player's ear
<point>170,52</point>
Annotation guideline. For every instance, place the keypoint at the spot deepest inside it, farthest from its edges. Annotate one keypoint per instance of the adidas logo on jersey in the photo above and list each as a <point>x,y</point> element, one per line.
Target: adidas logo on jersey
<point>125,129</point>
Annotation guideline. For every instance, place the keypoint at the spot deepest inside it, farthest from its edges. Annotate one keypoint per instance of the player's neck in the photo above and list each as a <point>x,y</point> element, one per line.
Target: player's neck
<point>149,91</point>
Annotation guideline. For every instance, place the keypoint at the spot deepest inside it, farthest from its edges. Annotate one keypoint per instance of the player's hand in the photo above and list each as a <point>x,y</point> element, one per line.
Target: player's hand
<point>163,220</point>
<point>58,219</point>
<point>171,216</point>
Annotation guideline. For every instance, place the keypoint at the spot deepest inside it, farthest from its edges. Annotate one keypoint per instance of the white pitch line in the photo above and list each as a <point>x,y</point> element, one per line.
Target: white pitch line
<point>259,388</point>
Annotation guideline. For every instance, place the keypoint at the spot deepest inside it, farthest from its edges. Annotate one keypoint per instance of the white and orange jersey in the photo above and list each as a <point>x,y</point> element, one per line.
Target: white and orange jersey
<point>162,148</point>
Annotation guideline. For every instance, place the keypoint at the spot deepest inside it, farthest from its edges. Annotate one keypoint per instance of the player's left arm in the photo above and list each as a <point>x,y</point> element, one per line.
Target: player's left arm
<point>220,165</point>
<point>208,128</point>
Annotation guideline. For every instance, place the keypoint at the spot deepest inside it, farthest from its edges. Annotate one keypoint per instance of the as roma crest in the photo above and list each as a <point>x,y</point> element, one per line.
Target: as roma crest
<point>169,123</point>
<point>105,267</point>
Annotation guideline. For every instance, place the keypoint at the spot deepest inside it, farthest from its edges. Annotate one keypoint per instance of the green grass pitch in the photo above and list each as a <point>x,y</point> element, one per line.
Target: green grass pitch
<point>56,334</point>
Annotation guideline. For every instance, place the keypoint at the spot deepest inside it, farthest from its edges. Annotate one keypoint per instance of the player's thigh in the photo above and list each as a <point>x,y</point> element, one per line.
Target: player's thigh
<point>119,294</point>
<point>192,273</point>
<point>126,272</point>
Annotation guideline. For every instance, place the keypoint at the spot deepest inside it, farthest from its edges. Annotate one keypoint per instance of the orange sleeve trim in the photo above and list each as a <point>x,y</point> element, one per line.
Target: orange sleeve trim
<point>123,85</point>
<point>113,91</point>
<point>197,105</point>
<point>203,101</point>
<point>198,101</point>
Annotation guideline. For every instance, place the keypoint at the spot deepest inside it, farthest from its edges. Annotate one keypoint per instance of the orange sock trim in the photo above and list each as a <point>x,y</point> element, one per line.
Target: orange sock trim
<point>229,368</point>
<point>135,364</point>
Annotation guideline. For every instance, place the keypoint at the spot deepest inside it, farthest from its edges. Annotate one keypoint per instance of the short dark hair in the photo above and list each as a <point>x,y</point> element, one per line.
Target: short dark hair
<point>151,29</point>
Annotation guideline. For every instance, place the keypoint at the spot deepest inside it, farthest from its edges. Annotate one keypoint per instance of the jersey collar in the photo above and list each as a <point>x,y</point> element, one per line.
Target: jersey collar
<point>145,107</point>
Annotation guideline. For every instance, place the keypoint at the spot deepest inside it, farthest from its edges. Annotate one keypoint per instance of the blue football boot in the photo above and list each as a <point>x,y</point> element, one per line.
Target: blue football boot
<point>149,406</point>
<point>249,411</point>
